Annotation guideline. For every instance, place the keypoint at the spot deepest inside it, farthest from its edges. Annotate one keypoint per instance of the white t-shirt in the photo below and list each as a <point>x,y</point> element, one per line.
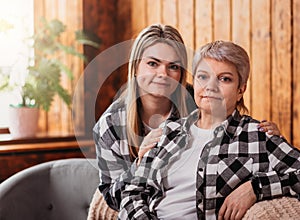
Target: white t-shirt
<point>179,201</point>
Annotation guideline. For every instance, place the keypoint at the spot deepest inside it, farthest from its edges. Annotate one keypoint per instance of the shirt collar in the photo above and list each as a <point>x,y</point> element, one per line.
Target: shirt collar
<point>229,125</point>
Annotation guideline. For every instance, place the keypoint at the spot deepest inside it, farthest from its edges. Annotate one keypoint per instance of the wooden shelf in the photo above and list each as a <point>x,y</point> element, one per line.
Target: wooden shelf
<point>17,156</point>
<point>15,148</point>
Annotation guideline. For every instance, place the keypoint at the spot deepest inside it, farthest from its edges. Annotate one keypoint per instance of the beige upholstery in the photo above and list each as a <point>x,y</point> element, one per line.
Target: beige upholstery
<point>284,208</point>
<point>99,210</point>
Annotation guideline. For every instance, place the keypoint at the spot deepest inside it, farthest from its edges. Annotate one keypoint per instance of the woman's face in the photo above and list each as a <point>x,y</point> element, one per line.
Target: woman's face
<point>216,86</point>
<point>159,71</point>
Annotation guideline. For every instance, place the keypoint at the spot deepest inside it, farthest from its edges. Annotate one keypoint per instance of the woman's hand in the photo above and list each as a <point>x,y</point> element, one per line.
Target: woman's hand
<point>269,127</point>
<point>150,140</point>
<point>238,202</point>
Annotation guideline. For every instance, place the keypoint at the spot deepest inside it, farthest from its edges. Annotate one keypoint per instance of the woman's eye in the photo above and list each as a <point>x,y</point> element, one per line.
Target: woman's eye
<point>152,63</point>
<point>174,67</point>
<point>225,79</point>
<point>202,77</point>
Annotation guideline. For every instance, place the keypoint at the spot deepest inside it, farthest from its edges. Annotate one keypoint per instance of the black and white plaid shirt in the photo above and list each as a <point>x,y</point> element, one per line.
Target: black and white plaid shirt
<point>237,153</point>
<point>115,166</point>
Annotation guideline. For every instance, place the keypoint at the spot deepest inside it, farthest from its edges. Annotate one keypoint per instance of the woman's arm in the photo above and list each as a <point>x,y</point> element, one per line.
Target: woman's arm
<point>135,202</point>
<point>137,196</point>
<point>284,179</point>
<point>115,168</point>
<point>237,202</point>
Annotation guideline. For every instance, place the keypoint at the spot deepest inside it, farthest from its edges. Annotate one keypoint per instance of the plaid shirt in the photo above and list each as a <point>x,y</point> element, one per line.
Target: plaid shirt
<point>115,166</point>
<point>237,153</point>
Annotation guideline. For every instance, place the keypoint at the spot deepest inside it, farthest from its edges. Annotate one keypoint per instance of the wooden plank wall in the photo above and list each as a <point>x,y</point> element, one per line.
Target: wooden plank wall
<point>59,118</point>
<point>269,31</point>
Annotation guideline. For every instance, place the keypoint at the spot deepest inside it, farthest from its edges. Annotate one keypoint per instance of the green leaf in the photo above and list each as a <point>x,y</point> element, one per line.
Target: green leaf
<point>72,50</point>
<point>87,38</point>
<point>43,81</point>
<point>65,69</point>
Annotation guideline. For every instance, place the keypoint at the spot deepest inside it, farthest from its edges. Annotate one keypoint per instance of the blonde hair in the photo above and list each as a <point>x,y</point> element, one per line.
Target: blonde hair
<point>151,35</point>
<point>226,51</point>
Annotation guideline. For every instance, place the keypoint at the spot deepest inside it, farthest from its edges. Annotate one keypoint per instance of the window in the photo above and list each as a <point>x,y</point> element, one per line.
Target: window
<point>16,24</point>
<point>18,20</point>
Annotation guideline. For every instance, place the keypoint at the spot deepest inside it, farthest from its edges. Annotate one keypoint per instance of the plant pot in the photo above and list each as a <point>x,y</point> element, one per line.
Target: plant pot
<point>23,121</point>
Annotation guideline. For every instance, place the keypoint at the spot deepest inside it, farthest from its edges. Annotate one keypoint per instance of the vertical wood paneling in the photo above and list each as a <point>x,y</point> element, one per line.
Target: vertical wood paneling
<point>241,35</point>
<point>54,116</point>
<point>39,11</point>
<point>123,22</point>
<point>154,11</point>
<point>169,12</point>
<point>57,113</point>
<point>241,23</point>
<point>296,74</point>
<point>203,22</point>
<point>186,28</point>
<point>221,20</point>
<point>59,119</point>
<point>264,29</point>
<point>101,17</point>
<point>75,22</point>
<point>261,60</point>
<point>281,65</point>
<point>138,16</point>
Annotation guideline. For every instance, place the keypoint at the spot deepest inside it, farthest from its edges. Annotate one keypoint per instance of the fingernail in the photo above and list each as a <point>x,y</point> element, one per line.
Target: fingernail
<point>261,129</point>
<point>258,126</point>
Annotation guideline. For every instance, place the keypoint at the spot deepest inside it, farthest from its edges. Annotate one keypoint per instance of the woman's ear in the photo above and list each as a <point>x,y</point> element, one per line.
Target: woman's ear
<point>241,91</point>
<point>243,88</point>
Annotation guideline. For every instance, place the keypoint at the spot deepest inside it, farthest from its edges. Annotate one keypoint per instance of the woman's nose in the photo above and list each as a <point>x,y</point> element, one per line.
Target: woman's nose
<point>212,84</point>
<point>162,70</point>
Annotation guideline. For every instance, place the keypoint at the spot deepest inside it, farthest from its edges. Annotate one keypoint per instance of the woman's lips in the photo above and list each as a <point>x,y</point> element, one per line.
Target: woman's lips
<point>211,97</point>
<point>161,83</point>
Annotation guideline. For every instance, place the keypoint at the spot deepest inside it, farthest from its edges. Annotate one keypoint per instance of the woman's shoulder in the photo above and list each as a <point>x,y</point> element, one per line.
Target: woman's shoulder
<point>115,110</point>
<point>115,114</point>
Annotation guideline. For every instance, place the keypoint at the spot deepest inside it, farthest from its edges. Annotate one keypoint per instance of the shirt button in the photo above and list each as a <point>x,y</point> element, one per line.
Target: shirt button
<point>200,169</point>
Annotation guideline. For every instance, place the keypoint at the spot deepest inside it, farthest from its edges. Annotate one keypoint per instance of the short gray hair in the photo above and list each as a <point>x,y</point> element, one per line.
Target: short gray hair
<point>225,51</point>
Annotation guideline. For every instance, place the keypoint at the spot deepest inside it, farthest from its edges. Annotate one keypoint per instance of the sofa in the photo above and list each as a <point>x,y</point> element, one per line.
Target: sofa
<point>67,189</point>
<point>55,190</point>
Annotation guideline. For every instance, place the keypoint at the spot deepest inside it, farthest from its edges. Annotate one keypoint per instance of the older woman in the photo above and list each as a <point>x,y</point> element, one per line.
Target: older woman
<point>215,163</point>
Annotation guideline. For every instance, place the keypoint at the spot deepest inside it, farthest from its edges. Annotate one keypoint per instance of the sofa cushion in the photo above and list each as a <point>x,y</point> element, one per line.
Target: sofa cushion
<point>59,189</point>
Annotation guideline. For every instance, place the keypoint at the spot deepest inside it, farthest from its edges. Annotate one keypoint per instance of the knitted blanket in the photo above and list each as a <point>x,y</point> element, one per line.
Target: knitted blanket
<point>284,208</point>
<point>99,210</point>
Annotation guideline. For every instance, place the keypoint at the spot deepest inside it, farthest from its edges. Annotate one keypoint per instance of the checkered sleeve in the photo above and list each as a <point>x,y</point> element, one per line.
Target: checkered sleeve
<point>115,168</point>
<point>137,197</point>
<point>284,177</point>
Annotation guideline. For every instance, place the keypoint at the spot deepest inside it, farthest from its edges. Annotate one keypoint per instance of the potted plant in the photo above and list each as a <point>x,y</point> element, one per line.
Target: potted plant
<point>42,82</point>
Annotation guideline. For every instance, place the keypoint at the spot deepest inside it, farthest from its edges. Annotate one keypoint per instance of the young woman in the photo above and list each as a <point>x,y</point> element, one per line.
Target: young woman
<point>215,163</point>
<point>155,94</point>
